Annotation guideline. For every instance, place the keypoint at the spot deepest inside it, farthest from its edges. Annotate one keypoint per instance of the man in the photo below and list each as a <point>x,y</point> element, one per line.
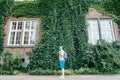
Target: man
<point>61,60</point>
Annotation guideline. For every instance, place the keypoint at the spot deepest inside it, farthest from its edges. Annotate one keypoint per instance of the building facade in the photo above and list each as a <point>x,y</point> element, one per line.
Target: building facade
<point>101,26</point>
<point>21,34</point>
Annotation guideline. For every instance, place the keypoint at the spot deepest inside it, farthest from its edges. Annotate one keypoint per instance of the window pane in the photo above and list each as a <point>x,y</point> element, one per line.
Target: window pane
<point>32,38</point>
<point>26,37</point>
<point>14,25</point>
<point>18,38</point>
<point>34,25</point>
<point>107,32</point>
<point>22,32</point>
<point>12,37</point>
<point>108,35</point>
<point>95,38</point>
<point>19,27</point>
<point>105,24</point>
<point>93,31</point>
<point>27,25</point>
<point>92,24</point>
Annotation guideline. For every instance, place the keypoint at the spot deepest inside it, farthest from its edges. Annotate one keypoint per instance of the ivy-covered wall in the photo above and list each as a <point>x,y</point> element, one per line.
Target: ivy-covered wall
<point>5,8</point>
<point>26,9</point>
<point>110,8</point>
<point>63,23</point>
<point>113,7</point>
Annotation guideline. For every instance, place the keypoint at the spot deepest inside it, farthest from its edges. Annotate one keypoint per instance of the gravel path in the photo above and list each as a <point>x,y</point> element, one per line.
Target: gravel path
<point>72,77</point>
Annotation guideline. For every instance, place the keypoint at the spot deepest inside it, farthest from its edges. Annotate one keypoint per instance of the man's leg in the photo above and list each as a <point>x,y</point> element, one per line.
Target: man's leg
<point>62,69</point>
<point>63,72</point>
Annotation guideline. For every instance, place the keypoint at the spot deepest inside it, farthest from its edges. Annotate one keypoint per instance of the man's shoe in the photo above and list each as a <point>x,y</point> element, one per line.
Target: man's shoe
<point>62,77</point>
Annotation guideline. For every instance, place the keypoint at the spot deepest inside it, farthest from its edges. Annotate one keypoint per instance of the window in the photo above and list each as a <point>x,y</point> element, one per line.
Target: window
<point>100,29</point>
<point>22,32</point>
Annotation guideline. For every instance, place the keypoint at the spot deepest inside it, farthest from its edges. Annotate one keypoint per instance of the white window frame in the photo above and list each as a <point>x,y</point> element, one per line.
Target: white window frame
<point>91,38</point>
<point>22,32</point>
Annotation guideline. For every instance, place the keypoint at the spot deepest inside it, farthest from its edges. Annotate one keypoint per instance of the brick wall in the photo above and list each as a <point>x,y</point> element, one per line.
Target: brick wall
<point>94,14</point>
<point>18,49</point>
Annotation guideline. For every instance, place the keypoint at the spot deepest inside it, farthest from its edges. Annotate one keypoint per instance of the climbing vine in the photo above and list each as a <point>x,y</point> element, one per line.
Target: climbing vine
<point>5,7</point>
<point>62,23</point>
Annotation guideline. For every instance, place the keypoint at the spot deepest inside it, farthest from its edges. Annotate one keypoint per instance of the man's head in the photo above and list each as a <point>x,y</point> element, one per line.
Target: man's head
<point>61,47</point>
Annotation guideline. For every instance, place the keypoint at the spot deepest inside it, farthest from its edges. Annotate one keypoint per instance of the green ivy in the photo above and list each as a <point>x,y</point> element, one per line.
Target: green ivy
<point>110,8</point>
<point>64,25</point>
<point>5,6</point>
<point>103,56</point>
<point>113,7</point>
<point>26,9</point>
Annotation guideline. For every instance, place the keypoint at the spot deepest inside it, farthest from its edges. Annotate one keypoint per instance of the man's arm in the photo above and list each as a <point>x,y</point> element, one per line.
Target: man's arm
<point>60,53</point>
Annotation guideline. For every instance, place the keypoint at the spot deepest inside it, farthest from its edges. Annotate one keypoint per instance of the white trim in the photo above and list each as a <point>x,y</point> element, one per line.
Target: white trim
<point>115,30</point>
<point>9,32</point>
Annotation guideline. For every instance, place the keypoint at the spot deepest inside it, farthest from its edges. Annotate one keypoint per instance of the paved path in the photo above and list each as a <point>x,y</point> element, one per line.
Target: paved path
<point>72,77</point>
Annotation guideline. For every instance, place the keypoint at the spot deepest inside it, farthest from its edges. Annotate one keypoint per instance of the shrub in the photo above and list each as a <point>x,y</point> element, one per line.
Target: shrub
<point>106,57</point>
<point>5,72</point>
<point>86,71</point>
<point>42,72</point>
<point>11,62</point>
<point>50,72</point>
<point>67,72</point>
<point>16,72</point>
